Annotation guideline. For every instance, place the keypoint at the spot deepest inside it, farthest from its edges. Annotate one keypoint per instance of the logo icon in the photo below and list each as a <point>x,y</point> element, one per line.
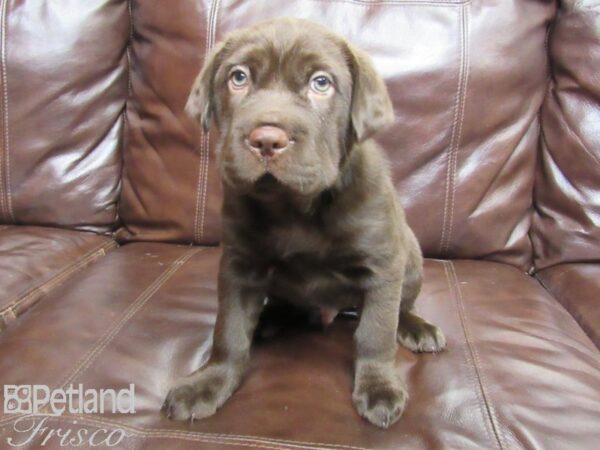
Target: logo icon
<point>17,399</point>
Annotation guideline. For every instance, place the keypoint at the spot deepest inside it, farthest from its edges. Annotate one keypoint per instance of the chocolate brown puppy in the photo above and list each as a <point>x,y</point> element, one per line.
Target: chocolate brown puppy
<point>310,215</point>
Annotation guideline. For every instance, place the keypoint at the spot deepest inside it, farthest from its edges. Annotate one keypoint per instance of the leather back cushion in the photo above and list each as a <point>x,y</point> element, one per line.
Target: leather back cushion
<point>467,79</point>
<point>567,191</point>
<point>63,87</point>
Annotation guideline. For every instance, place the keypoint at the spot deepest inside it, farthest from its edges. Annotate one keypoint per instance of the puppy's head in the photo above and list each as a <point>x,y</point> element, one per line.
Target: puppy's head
<point>290,99</point>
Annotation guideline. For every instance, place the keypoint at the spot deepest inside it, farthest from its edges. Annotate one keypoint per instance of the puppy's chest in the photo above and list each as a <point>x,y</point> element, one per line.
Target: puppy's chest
<point>288,241</point>
<point>309,265</point>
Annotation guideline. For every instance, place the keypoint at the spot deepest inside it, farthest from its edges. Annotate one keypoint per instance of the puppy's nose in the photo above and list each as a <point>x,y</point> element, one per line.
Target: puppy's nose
<point>268,141</point>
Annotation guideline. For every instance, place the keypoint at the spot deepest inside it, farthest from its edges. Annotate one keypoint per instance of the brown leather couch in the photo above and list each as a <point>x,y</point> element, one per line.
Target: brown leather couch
<point>496,157</point>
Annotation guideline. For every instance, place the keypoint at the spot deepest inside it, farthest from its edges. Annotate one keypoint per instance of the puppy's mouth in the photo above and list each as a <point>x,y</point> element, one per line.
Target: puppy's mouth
<point>266,183</point>
<point>267,187</point>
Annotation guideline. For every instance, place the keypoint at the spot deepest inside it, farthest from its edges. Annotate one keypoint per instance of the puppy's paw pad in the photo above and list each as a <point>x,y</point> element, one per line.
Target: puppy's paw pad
<point>178,403</point>
<point>421,337</point>
<point>383,407</point>
<point>206,399</point>
<point>196,400</point>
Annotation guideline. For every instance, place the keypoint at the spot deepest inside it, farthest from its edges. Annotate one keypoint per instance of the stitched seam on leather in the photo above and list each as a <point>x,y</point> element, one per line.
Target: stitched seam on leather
<point>127,127</point>
<point>200,436</point>
<point>533,206</point>
<point>457,143</point>
<point>2,28</point>
<point>532,203</point>
<point>7,316</point>
<point>547,50</point>
<point>215,15</point>
<point>472,376</point>
<point>474,354</point>
<point>550,81</point>
<point>195,237</point>
<point>59,277</point>
<point>126,123</point>
<point>85,362</point>
<point>128,53</point>
<point>202,191</point>
<point>449,152</point>
<point>5,202</point>
<point>2,101</point>
<point>457,123</point>
<point>6,130</point>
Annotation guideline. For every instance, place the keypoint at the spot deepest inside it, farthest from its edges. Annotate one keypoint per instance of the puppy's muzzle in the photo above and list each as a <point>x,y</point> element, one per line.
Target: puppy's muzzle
<point>268,141</point>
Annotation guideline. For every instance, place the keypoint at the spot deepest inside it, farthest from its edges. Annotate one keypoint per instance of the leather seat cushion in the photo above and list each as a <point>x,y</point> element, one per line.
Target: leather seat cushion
<point>35,260</point>
<point>518,373</point>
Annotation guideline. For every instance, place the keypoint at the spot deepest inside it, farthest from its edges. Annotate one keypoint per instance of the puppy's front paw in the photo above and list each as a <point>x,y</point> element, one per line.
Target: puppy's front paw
<point>379,399</point>
<point>200,394</point>
<point>418,335</point>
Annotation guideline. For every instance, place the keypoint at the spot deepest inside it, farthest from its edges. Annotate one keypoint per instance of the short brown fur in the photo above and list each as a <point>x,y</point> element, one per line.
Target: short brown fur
<point>320,227</point>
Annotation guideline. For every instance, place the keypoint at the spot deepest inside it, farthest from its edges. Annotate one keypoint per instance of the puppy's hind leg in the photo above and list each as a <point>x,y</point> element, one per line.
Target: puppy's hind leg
<point>414,332</point>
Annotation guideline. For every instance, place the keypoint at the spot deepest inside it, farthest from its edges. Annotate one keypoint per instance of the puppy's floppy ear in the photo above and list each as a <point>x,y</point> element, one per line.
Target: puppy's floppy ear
<point>371,108</point>
<point>201,102</point>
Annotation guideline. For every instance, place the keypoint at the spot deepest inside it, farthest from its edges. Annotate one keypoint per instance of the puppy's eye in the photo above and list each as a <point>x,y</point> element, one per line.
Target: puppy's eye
<point>321,84</point>
<point>238,78</point>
